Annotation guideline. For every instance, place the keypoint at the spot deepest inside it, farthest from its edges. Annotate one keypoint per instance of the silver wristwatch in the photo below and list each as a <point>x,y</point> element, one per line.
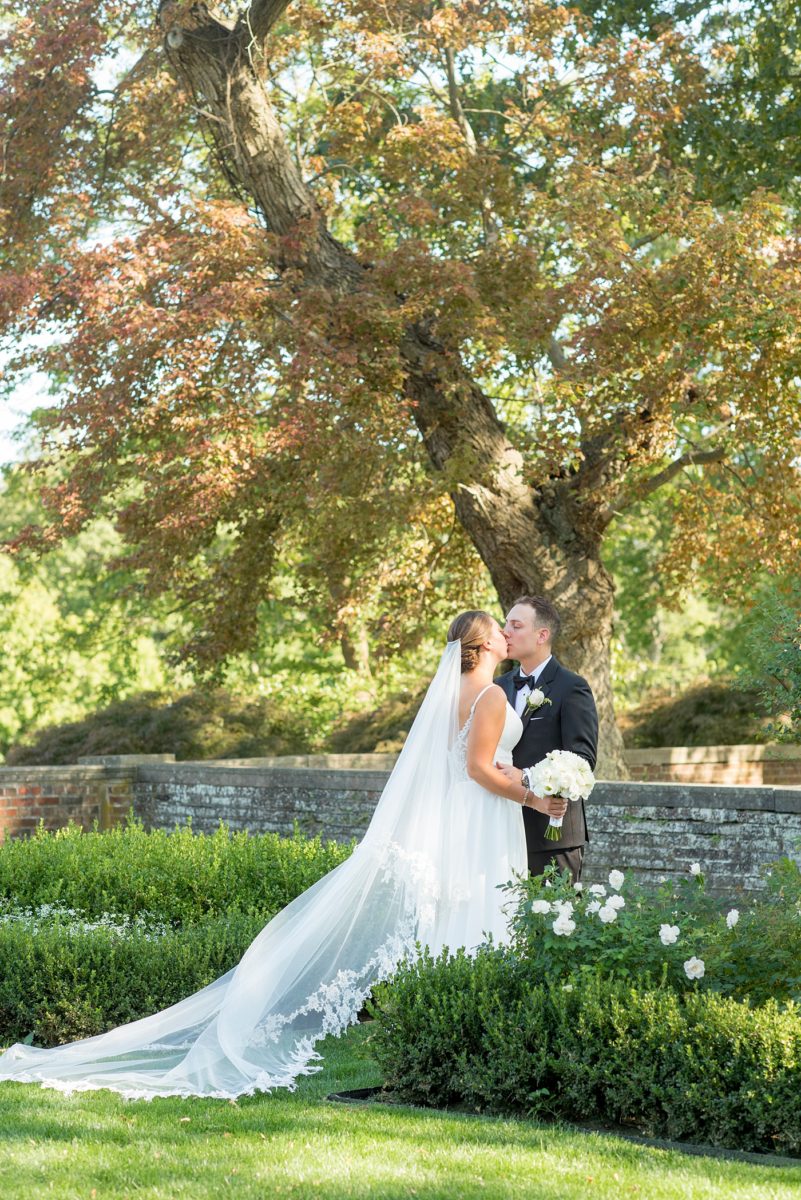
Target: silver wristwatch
<point>524,778</point>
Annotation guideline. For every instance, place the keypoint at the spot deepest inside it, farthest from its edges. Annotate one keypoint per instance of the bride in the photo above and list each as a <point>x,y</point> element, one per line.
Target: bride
<point>447,831</point>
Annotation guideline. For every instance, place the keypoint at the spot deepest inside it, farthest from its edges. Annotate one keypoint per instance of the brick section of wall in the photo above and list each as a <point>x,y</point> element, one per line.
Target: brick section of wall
<point>772,766</point>
<point>57,795</point>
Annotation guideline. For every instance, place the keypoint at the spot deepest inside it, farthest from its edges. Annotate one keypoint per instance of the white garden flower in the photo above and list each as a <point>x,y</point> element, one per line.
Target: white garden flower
<point>694,968</point>
<point>607,914</point>
<point>669,934</point>
<point>540,906</point>
<point>565,907</point>
<point>695,868</point>
<point>593,906</point>
<point>597,889</point>
<point>732,917</point>
<point>567,987</point>
<point>616,901</point>
<point>616,880</point>
<point>578,887</point>
<point>563,926</point>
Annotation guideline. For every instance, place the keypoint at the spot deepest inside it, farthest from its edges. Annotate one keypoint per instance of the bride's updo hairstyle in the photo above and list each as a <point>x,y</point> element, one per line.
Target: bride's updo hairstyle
<point>472,629</point>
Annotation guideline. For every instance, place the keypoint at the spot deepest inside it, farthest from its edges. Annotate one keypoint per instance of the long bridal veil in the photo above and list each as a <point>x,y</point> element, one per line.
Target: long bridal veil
<point>310,969</point>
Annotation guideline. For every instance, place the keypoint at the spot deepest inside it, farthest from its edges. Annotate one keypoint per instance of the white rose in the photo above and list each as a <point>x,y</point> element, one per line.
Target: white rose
<point>563,926</point>
<point>593,906</point>
<point>695,868</point>
<point>616,902</point>
<point>564,907</point>
<point>668,934</point>
<point>597,889</point>
<point>578,887</point>
<point>616,880</point>
<point>694,968</point>
<point>535,697</point>
<point>607,914</point>
<point>732,917</point>
<point>540,906</point>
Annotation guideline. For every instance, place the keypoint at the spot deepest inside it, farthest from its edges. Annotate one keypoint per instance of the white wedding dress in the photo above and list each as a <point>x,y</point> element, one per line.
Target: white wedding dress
<point>427,872</point>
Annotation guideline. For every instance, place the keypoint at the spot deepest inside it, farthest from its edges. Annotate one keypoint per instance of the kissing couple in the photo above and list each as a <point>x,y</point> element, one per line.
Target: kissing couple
<point>456,820</point>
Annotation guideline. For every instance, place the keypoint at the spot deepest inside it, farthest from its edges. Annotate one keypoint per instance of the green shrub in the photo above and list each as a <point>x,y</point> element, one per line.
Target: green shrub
<point>707,714</point>
<point>491,1036</point>
<point>59,981</point>
<point>97,929</point>
<point>179,876</point>
<point>207,723</point>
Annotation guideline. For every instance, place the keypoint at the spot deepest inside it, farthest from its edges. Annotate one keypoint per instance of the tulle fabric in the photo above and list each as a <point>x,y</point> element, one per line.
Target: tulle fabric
<point>426,873</point>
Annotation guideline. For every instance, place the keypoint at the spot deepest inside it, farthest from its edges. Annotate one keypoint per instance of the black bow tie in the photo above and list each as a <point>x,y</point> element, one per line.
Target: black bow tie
<point>521,681</point>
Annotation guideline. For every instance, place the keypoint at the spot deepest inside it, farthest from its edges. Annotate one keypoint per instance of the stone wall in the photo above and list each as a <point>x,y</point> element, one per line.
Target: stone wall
<point>648,828</point>
<point>337,805</point>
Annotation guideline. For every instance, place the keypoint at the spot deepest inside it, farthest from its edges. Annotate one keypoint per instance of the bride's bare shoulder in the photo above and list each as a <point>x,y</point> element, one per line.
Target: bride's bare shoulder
<point>492,700</point>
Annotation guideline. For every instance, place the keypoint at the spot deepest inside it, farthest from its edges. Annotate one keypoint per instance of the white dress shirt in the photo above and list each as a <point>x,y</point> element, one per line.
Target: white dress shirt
<point>525,692</point>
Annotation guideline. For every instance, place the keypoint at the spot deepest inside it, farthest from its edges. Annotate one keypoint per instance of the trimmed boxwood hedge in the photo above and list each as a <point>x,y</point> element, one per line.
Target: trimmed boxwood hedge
<point>61,982</point>
<point>178,876</point>
<point>484,1034</point>
<point>97,929</point>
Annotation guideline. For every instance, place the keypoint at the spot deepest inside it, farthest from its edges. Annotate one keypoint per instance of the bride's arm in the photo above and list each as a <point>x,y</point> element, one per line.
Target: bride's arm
<point>482,742</point>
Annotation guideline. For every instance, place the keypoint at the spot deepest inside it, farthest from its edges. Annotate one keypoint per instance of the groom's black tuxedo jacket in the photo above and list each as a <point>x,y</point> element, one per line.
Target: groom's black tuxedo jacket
<point>569,722</point>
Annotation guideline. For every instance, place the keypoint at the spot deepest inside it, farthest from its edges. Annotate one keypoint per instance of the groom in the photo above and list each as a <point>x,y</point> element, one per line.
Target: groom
<point>568,722</point>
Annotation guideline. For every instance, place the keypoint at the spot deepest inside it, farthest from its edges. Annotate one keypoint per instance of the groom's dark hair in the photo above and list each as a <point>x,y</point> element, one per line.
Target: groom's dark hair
<point>546,613</point>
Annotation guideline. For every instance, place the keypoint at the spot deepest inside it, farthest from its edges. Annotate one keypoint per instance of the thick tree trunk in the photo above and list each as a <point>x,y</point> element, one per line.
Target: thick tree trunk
<point>533,540</point>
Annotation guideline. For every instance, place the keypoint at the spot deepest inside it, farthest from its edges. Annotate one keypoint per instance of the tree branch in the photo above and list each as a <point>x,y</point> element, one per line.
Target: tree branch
<point>258,20</point>
<point>690,459</point>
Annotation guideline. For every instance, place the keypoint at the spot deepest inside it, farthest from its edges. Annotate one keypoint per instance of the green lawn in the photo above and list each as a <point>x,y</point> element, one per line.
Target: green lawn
<point>95,1145</point>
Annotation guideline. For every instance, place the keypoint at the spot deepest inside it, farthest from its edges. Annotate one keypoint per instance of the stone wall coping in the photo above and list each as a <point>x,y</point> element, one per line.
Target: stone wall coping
<point>221,774</point>
<point>733,755</point>
<point>725,796</point>
<point>66,773</point>
<point>359,762</point>
<point>123,760</point>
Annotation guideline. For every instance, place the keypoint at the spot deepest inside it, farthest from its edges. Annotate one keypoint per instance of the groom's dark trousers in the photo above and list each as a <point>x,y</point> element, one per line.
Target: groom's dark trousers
<point>569,722</point>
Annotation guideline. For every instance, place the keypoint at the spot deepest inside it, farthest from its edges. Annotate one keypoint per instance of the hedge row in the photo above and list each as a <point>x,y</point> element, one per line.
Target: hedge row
<point>487,1035</point>
<point>63,982</point>
<point>179,877</point>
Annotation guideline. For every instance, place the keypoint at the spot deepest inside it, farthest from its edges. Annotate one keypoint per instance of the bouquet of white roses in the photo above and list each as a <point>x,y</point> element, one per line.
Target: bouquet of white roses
<point>561,773</point>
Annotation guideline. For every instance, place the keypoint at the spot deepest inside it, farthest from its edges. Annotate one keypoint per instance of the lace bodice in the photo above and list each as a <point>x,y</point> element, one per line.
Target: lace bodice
<point>510,736</point>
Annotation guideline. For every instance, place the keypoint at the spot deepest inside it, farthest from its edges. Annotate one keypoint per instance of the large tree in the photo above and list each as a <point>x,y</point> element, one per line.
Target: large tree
<point>309,277</point>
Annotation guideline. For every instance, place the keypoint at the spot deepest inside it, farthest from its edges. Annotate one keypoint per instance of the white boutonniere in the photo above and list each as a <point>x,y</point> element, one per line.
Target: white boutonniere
<point>535,699</point>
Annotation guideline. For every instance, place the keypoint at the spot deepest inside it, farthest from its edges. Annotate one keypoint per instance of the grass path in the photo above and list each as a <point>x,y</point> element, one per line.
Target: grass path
<point>95,1146</point>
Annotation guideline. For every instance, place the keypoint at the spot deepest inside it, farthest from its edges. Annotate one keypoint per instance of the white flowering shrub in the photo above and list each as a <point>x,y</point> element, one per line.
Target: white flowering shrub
<point>675,934</point>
